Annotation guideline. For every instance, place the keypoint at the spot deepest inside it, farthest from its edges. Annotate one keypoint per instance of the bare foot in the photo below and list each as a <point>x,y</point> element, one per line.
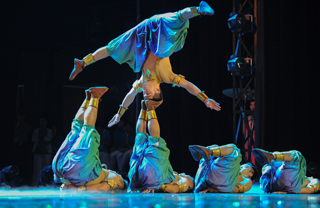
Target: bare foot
<point>78,66</point>
<point>97,92</point>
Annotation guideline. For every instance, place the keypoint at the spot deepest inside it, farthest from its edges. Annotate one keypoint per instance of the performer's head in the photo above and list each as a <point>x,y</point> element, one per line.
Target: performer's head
<point>152,91</point>
<point>121,183</point>
<point>252,104</point>
<point>249,169</point>
<point>187,181</point>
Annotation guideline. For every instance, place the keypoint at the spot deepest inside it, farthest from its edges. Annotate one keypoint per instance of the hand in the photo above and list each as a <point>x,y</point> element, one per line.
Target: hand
<point>210,103</point>
<point>147,191</point>
<point>114,120</point>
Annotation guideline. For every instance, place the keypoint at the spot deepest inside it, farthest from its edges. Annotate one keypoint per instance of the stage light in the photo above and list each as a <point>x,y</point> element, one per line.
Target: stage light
<point>239,23</point>
<point>239,66</point>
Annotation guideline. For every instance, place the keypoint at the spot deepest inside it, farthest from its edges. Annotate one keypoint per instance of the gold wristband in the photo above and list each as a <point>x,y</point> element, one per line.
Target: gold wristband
<point>181,188</point>
<point>163,187</point>
<point>315,188</point>
<point>143,114</point>
<point>241,187</point>
<point>89,59</point>
<point>216,152</point>
<point>202,96</point>
<point>94,102</point>
<point>112,184</point>
<point>85,103</point>
<point>122,110</point>
<point>151,114</point>
<point>82,188</point>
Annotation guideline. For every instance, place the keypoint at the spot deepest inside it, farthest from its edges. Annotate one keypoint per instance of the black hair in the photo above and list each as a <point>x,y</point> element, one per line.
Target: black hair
<point>158,96</point>
<point>255,169</point>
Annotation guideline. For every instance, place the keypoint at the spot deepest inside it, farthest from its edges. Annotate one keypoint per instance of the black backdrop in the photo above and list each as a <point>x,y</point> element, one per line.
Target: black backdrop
<point>42,38</point>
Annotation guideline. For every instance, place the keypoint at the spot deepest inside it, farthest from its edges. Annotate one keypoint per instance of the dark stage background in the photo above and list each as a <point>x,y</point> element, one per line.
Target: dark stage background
<point>41,39</point>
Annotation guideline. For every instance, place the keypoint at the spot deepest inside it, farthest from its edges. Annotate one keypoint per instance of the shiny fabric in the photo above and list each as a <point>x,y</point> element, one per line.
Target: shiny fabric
<point>284,176</point>
<point>219,173</point>
<point>150,167</point>
<point>77,160</point>
<point>167,34</point>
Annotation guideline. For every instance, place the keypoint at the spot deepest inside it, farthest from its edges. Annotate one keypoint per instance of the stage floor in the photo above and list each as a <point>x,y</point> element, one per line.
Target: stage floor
<point>50,198</point>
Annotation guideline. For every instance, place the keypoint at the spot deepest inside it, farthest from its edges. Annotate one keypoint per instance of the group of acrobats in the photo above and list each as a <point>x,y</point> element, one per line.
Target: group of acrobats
<point>147,48</point>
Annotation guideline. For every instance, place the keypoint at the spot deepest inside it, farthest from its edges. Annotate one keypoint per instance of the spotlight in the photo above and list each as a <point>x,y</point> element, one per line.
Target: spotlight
<point>239,66</point>
<point>239,23</point>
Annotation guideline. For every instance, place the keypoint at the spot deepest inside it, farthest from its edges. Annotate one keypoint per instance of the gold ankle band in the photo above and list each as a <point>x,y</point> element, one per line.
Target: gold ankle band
<point>122,110</point>
<point>216,152</point>
<point>94,102</point>
<point>143,115</point>
<point>279,156</point>
<point>151,114</point>
<point>202,96</point>
<point>89,59</point>
<point>85,103</point>
<point>82,188</point>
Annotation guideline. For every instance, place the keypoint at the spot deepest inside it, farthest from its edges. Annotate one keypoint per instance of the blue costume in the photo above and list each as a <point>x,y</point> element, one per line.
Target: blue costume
<point>219,173</point>
<point>162,34</point>
<point>284,176</point>
<point>77,161</point>
<point>150,167</point>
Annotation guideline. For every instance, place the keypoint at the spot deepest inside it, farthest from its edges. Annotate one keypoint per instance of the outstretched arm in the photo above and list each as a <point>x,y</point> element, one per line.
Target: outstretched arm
<point>194,90</point>
<point>125,104</point>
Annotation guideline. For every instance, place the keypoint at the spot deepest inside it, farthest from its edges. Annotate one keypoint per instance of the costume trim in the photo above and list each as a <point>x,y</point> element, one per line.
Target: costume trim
<point>241,187</point>
<point>65,181</point>
<point>216,152</point>
<point>147,76</point>
<point>122,110</point>
<point>151,114</point>
<point>94,102</point>
<point>202,96</point>
<point>89,59</point>
<point>85,103</point>
<point>136,86</point>
<point>112,184</point>
<point>82,188</point>
<point>176,80</point>
<point>279,156</point>
<point>194,11</point>
<point>163,188</point>
<point>143,115</point>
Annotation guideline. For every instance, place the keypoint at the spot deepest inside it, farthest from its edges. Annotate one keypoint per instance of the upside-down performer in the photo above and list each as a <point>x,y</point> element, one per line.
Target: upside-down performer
<point>76,164</point>
<point>285,172</point>
<point>220,170</point>
<point>147,48</point>
<point>150,168</point>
